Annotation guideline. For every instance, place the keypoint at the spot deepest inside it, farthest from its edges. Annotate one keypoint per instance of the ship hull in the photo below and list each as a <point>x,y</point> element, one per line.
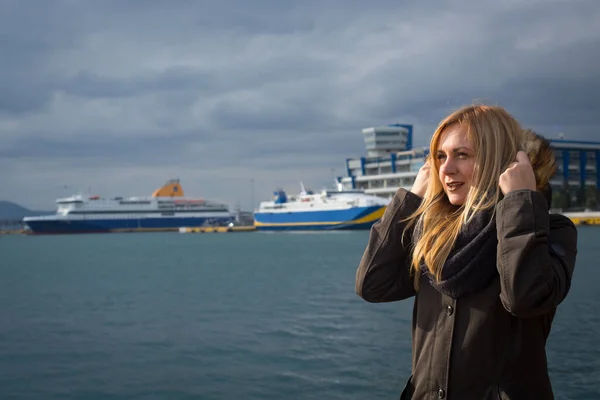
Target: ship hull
<point>356,218</point>
<point>66,226</point>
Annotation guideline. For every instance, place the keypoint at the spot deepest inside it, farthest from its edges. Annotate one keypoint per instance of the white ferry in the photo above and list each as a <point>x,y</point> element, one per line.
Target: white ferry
<point>361,196</point>
<point>327,210</point>
<point>167,209</point>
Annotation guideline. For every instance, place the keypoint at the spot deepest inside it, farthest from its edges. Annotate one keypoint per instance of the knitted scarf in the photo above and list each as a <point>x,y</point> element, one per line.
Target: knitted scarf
<point>471,264</point>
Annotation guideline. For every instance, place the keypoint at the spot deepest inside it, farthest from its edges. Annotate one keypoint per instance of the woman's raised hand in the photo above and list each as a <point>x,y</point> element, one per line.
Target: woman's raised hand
<point>518,176</point>
<point>420,185</point>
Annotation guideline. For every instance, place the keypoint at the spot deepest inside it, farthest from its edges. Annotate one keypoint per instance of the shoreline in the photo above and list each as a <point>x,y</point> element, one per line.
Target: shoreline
<point>583,218</point>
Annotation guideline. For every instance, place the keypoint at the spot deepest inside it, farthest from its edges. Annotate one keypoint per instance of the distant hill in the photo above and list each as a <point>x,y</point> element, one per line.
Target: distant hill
<point>13,211</point>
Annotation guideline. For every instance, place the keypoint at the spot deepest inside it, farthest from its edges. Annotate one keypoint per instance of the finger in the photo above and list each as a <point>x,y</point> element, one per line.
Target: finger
<point>522,157</point>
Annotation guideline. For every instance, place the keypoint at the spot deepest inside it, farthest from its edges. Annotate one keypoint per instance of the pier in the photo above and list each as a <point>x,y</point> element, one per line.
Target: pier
<point>11,226</point>
<point>218,229</point>
<point>584,218</point>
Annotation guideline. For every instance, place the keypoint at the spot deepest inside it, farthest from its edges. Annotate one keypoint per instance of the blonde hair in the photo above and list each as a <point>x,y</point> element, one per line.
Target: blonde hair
<point>496,138</point>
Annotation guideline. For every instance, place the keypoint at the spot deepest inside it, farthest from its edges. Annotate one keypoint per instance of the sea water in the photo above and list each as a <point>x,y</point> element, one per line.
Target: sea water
<point>264,316</point>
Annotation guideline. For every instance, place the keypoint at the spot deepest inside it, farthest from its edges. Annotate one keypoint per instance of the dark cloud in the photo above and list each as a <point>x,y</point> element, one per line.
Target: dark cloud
<point>22,85</point>
<point>95,149</point>
<point>118,95</point>
<point>289,118</point>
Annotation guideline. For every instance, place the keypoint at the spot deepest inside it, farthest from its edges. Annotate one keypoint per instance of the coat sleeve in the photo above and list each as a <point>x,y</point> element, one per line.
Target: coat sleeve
<point>536,254</point>
<point>383,274</point>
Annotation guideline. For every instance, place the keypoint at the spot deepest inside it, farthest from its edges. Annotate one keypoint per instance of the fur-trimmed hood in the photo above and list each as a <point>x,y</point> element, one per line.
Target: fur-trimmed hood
<point>542,159</point>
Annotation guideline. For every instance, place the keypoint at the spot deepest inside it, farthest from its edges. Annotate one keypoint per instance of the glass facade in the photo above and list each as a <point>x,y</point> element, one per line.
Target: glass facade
<point>576,184</point>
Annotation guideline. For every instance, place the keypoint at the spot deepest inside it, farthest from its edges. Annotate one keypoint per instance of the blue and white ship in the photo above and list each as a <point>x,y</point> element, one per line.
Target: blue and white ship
<point>328,210</point>
<point>361,197</point>
<point>166,210</point>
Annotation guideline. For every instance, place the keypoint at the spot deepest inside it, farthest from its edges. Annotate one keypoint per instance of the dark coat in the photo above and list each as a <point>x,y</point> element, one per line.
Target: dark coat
<point>491,344</point>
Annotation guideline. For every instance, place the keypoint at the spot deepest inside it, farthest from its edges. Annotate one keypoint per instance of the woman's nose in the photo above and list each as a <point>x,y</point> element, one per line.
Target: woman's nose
<point>448,167</point>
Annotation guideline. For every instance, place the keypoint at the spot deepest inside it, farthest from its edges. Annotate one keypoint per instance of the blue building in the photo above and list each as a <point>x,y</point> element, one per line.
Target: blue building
<point>391,161</point>
<point>576,183</point>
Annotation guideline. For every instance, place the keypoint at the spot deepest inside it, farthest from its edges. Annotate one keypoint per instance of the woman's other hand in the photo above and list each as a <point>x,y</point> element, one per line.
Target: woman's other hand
<point>422,180</point>
<point>518,176</point>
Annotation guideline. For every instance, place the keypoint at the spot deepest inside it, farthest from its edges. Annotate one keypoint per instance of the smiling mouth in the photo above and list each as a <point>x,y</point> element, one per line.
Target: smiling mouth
<point>454,186</point>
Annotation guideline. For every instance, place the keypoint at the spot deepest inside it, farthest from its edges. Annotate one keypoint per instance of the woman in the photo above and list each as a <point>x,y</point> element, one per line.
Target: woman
<point>474,242</point>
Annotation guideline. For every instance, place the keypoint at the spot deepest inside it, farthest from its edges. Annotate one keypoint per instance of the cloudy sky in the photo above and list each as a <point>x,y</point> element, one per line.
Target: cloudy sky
<point>114,97</point>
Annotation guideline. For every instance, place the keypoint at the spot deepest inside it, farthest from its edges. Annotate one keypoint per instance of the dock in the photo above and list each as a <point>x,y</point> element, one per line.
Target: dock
<point>13,232</point>
<point>12,227</point>
<point>218,229</point>
<point>584,218</point>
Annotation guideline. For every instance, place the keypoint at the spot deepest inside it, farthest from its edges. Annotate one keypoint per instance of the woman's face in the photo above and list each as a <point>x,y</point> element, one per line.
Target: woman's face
<point>456,159</point>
